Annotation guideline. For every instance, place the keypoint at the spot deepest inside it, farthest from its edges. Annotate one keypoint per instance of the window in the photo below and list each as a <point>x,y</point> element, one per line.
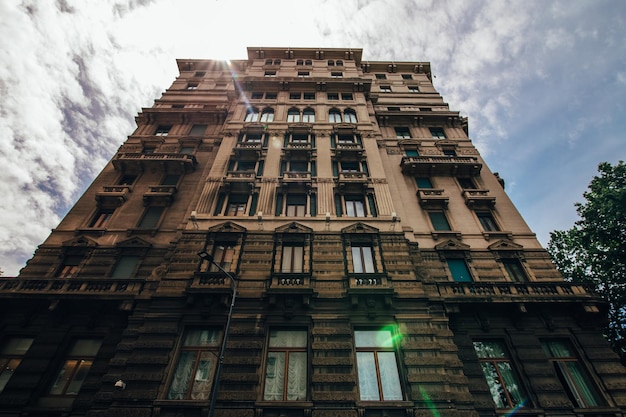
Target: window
<point>334,116</point>
<point>449,152</point>
<point>151,217</point>
<point>186,150</point>
<point>69,268</point>
<point>170,179</point>
<point>381,77</point>
<point>293,115</point>
<point>349,116</point>
<point>411,152</point>
<point>393,108</point>
<point>309,96</point>
<point>385,89</point>
<point>192,86</point>
<point>336,74</point>
<point>577,383</point>
<point>407,77</point>
<point>487,221</point>
<point>267,115</point>
<point>503,383</point>
<point>308,62</point>
<point>11,356</point>
<point>271,96</point>
<point>362,259</point>
<point>426,109</point>
<point>252,115</point>
<point>515,270</point>
<point>253,138</point>
<point>237,204</point>
<point>331,63</point>
<point>292,259</point>
<point>439,220</point>
<point>339,63</point>
<point>76,367</point>
<point>402,132</point>
<point>350,166</point>
<point>286,369</point>
<point>127,180</point>
<point>299,138</point>
<point>423,182</point>
<point>466,183</point>
<point>162,130</point>
<point>193,377</point>
<point>414,89</point>
<point>268,62</point>
<point>299,62</point>
<point>244,166</point>
<point>125,267</point>
<point>148,149</point>
<point>437,133</point>
<point>459,270</point>
<point>270,74</point>
<point>277,62</point>
<point>347,96</point>
<point>332,96</point>
<point>256,96</point>
<point>345,138</point>
<point>296,205</point>
<point>355,206</point>
<point>308,115</point>
<point>178,106</point>
<point>223,255</point>
<point>379,379</point>
<point>295,96</point>
<point>303,73</point>
<point>197,130</point>
<point>199,74</point>
<point>298,166</point>
<point>101,218</point>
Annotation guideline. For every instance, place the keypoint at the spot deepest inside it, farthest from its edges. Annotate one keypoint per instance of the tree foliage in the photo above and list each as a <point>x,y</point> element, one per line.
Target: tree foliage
<point>594,250</point>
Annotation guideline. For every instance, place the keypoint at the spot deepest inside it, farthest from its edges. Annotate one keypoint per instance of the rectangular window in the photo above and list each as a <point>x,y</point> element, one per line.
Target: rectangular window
<point>195,370</point>
<point>515,270</point>
<point>192,86</point>
<point>407,77</point>
<point>296,205</point>
<point>487,221</point>
<point>503,383</point>
<point>332,96</point>
<point>347,96</point>
<point>170,179</point>
<point>466,183</point>
<point>69,268</point>
<point>459,270</point>
<point>286,369</point>
<point>236,205</point>
<point>381,77</point>
<point>411,152</point>
<point>292,259</point>
<point>439,220</point>
<point>163,130</point>
<point>270,74</point>
<point>379,379</point>
<point>437,133</point>
<point>309,96</point>
<point>423,182</point>
<point>303,73</point>
<point>336,74</point>
<point>413,89</point>
<point>402,132</point>
<point>355,206</point>
<point>385,89</point>
<point>256,96</point>
<point>449,152</point>
<point>362,259</point>
<point>127,180</point>
<point>577,383</point>
<point>223,256</point>
<point>271,96</point>
<point>126,267</point>
<point>151,217</point>
<point>76,367</point>
<point>295,96</point>
<point>197,130</point>
<point>350,166</point>
<point>186,150</point>
<point>101,218</point>
<point>11,356</point>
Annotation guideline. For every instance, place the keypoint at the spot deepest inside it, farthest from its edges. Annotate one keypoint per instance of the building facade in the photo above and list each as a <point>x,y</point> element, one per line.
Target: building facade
<point>380,269</point>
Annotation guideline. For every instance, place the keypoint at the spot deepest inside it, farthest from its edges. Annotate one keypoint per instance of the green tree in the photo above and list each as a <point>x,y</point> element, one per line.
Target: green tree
<point>594,250</point>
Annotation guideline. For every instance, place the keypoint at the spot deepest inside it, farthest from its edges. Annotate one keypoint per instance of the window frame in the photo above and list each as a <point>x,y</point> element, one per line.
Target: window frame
<point>455,265</point>
<point>349,116</point>
<point>252,115</point>
<point>487,221</point>
<point>402,132</point>
<point>437,133</point>
<point>12,354</point>
<point>74,369</point>
<point>287,372</point>
<point>267,115</point>
<point>381,349</point>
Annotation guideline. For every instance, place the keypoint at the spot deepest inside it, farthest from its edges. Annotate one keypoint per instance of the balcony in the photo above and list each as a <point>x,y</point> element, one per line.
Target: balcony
<point>291,177</point>
<point>113,195</point>
<point>133,162</point>
<point>298,148</point>
<point>214,281</point>
<point>432,198</point>
<point>81,287</point>
<point>367,285</point>
<point>248,148</point>
<point>441,165</point>
<point>241,177</point>
<point>160,194</point>
<point>472,292</point>
<point>476,199</point>
<point>350,149</point>
<point>282,284</point>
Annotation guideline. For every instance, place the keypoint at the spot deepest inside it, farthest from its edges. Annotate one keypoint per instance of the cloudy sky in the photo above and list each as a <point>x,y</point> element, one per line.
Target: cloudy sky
<point>543,83</point>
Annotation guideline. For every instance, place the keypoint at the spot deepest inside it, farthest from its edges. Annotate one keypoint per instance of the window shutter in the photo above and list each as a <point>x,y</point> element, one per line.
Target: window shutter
<point>313,169</point>
<point>253,204</point>
<point>279,205</point>
<point>338,205</point>
<point>372,204</point>
<point>220,204</point>
<point>335,168</point>
<point>283,167</point>
<point>333,141</point>
<point>313,203</point>
<point>259,171</point>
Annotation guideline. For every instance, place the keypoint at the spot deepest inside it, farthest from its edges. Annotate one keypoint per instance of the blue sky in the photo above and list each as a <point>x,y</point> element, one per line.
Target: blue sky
<point>543,83</point>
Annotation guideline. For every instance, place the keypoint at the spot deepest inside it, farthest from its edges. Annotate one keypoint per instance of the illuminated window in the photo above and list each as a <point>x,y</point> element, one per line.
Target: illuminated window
<point>267,115</point>
<point>11,354</point>
<point>252,115</point>
<point>293,115</point>
<point>379,379</point>
<point>349,116</point>
<point>76,367</point>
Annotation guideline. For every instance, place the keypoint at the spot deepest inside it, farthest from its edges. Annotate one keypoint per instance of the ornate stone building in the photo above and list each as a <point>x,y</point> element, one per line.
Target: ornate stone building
<point>380,269</point>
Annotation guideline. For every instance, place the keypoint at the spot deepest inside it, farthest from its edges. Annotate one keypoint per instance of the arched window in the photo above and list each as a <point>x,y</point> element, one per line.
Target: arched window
<point>267,115</point>
<point>334,116</point>
<point>339,63</point>
<point>308,62</point>
<point>252,115</point>
<point>293,115</point>
<point>308,115</point>
<point>349,116</point>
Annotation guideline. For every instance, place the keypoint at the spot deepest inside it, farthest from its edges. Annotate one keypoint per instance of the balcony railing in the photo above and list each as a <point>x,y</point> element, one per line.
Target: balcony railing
<point>441,165</point>
<point>113,194</point>
<point>350,148</point>
<point>210,280</point>
<point>512,291</point>
<point>64,286</point>
<point>241,176</point>
<point>287,281</point>
<point>478,198</point>
<point>296,176</point>
<point>248,148</point>
<point>174,162</point>
<point>432,198</point>
<point>161,193</point>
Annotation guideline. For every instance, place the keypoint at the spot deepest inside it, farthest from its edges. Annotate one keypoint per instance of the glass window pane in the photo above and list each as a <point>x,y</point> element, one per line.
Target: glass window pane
<point>459,270</point>
<point>389,377</point>
<point>63,377</point>
<point>288,338</point>
<point>182,376</point>
<point>79,376</point>
<point>368,379</point>
<point>297,378</point>
<point>274,376</point>
<point>151,217</point>
<point>439,221</point>
<point>203,378</point>
<point>424,183</point>
<point>203,337</point>
<point>125,267</point>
